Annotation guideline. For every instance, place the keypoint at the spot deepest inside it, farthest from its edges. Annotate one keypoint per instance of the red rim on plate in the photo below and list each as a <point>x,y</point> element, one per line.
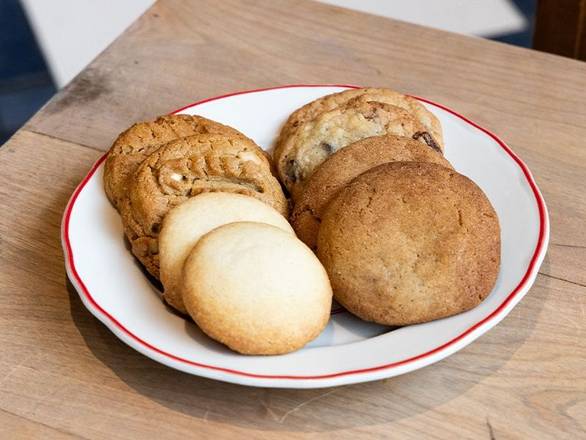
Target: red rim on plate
<point>492,317</point>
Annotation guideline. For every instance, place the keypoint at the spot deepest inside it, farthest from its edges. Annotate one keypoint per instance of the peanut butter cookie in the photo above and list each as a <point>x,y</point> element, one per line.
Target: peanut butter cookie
<point>135,144</point>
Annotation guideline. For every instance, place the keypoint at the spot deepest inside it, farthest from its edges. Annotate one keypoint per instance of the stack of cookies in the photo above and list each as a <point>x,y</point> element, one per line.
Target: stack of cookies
<point>234,265</point>
<point>404,238</point>
<point>205,215</point>
<point>155,166</point>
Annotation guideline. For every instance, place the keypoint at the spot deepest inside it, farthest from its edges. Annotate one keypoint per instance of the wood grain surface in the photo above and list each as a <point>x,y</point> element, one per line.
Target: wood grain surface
<point>63,374</point>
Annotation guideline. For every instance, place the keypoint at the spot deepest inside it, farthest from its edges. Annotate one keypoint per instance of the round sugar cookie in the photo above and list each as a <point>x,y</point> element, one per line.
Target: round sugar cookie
<point>343,166</point>
<point>256,288</point>
<point>184,225</point>
<point>410,242</point>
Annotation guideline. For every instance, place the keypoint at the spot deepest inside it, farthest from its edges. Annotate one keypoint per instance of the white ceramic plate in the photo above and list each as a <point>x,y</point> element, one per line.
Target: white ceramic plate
<point>113,287</point>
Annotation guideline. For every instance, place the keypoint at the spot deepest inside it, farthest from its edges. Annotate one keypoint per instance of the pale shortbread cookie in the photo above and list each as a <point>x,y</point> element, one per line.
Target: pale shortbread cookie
<point>184,225</point>
<point>256,288</point>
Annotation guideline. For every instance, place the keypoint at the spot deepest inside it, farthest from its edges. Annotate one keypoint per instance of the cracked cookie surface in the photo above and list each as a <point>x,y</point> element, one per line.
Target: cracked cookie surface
<point>409,242</point>
<point>135,144</point>
<point>340,168</point>
<point>184,168</point>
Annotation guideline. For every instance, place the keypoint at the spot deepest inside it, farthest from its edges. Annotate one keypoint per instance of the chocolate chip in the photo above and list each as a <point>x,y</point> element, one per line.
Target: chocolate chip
<point>428,139</point>
<point>328,148</point>
<point>156,228</point>
<point>293,173</point>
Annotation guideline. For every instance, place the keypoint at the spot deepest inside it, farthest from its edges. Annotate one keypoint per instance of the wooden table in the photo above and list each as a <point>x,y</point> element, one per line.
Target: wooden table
<point>63,374</point>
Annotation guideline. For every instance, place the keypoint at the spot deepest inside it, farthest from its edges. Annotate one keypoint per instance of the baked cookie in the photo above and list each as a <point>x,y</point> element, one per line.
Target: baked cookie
<point>184,225</point>
<point>315,140</point>
<point>257,289</point>
<point>135,144</point>
<point>184,168</point>
<point>387,96</point>
<point>343,166</point>
<point>410,242</point>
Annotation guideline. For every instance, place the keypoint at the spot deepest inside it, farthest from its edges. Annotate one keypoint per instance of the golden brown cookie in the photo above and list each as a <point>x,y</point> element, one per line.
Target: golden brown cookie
<point>410,242</point>
<point>315,140</point>
<point>343,166</point>
<point>184,168</point>
<point>256,288</point>
<point>135,144</point>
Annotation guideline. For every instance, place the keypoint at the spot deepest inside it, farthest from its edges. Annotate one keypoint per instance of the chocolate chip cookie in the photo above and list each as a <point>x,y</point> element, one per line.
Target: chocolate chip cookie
<point>384,95</point>
<point>313,141</point>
